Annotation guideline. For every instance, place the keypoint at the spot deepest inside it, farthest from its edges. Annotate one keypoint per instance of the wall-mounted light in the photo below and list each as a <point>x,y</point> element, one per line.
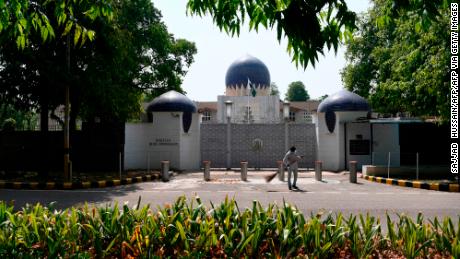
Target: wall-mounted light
<point>228,108</point>
<point>286,110</point>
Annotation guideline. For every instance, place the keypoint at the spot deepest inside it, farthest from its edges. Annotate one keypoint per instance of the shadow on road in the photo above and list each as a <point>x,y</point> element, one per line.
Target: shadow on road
<point>67,198</point>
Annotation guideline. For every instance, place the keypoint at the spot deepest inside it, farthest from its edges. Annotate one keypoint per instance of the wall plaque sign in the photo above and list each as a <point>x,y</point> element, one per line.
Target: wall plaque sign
<point>164,142</point>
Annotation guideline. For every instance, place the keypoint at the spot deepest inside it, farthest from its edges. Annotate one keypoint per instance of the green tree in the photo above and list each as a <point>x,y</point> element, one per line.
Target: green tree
<point>400,67</point>
<point>133,58</point>
<point>23,119</point>
<point>274,89</point>
<point>308,25</point>
<point>28,23</point>
<point>323,97</point>
<point>133,54</point>
<point>296,92</point>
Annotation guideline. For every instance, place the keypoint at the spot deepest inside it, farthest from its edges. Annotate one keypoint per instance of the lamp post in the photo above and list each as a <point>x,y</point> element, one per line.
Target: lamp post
<point>228,110</point>
<point>286,107</point>
<point>286,120</point>
<point>228,114</point>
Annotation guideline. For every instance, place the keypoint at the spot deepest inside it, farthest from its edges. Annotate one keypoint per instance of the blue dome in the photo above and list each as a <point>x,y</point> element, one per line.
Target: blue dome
<point>172,101</point>
<point>247,67</point>
<point>344,101</point>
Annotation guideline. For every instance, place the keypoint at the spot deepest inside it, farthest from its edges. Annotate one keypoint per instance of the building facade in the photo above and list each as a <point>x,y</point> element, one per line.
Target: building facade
<point>248,89</point>
<point>248,124</point>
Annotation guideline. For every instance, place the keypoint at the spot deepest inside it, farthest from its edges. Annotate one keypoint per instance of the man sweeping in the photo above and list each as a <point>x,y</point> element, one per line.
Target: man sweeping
<point>291,159</point>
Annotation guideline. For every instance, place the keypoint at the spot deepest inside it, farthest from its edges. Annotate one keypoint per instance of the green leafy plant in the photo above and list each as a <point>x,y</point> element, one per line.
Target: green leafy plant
<point>190,229</point>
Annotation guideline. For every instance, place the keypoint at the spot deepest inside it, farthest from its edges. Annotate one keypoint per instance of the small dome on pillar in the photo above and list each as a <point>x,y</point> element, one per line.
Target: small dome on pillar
<point>344,101</point>
<point>172,101</point>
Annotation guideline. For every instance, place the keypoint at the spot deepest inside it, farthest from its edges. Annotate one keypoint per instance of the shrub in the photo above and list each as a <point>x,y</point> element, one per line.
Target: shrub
<point>9,124</point>
<point>190,229</point>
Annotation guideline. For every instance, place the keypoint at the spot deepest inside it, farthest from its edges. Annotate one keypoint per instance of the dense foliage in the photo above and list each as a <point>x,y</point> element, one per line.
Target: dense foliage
<point>402,64</point>
<point>134,57</point>
<point>33,24</point>
<point>191,230</point>
<point>309,26</point>
<point>22,119</point>
<point>131,55</point>
<point>296,92</point>
<point>22,21</point>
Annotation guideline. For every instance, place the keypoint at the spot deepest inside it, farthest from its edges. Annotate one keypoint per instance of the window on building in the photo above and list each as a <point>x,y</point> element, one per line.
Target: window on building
<point>359,146</point>
<point>307,116</point>
<point>207,116</point>
<point>292,116</point>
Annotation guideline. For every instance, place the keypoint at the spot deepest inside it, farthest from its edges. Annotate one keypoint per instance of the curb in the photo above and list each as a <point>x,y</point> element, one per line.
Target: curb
<point>77,185</point>
<point>443,187</point>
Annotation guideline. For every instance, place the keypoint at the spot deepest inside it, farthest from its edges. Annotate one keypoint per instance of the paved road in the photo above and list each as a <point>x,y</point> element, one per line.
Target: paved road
<point>334,194</point>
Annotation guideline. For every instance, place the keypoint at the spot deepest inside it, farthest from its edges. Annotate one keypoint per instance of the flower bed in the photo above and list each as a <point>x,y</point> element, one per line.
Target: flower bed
<point>190,229</point>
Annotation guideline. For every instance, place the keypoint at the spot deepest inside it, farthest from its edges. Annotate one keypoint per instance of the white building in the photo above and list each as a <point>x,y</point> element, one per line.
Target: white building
<point>248,88</point>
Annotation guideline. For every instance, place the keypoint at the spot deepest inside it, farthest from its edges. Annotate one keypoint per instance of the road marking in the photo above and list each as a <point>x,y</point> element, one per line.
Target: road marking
<point>395,193</point>
<point>332,192</point>
<point>359,193</point>
<point>437,193</point>
<point>161,191</point>
<point>71,191</point>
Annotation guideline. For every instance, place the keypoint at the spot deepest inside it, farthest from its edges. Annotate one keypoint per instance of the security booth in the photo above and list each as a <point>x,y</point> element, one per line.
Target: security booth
<point>342,130</point>
<point>171,133</point>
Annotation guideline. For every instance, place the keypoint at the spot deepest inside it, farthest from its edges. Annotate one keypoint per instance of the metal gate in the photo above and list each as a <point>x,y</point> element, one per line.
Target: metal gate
<point>259,144</point>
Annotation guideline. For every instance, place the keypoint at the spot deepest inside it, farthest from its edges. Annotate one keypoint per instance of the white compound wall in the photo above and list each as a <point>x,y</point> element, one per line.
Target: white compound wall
<point>147,144</point>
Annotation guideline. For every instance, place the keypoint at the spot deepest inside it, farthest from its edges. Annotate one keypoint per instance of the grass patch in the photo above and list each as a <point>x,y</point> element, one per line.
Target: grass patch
<point>188,228</point>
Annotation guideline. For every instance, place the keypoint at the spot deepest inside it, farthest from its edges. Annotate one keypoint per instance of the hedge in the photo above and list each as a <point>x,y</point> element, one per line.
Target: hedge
<point>189,229</point>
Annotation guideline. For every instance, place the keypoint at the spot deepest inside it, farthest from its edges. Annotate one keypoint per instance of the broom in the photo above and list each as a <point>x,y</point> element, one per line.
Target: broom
<point>270,177</point>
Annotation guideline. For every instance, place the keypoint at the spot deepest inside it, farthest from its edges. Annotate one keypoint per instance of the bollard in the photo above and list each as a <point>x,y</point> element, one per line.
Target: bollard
<point>318,170</point>
<point>244,171</point>
<point>207,170</point>
<point>165,170</point>
<point>280,170</point>
<point>353,177</point>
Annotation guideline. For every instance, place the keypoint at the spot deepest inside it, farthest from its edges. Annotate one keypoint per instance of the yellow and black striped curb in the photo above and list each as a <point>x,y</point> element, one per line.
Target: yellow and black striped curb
<point>77,185</point>
<point>444,187</point>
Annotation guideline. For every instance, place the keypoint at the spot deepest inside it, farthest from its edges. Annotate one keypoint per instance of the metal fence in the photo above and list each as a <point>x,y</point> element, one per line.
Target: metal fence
<point>412,165</point>
<point>261,145</point>
<point>95,149</point>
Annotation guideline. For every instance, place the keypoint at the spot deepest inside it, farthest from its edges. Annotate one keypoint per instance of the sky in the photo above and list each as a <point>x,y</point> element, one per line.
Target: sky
<point>205,79</point>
